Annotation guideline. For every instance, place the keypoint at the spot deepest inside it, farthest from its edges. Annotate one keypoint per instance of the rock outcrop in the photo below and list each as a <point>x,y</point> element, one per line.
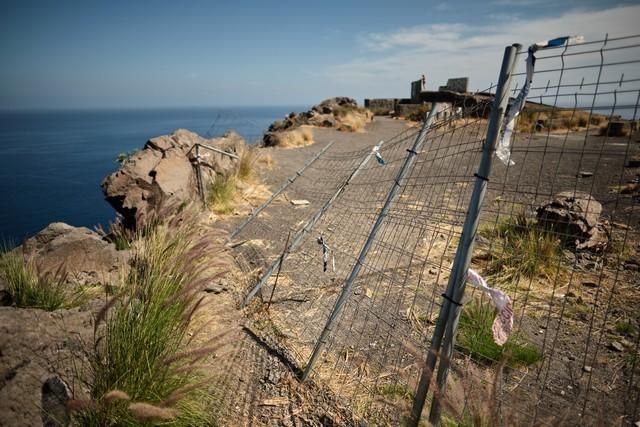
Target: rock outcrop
<point>164,172</point>
<point>341,113</point>
<point>576,216</point>
<point>85,256</point>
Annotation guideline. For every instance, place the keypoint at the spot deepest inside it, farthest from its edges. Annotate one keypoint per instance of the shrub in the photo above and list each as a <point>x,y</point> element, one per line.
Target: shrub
<point>28,286</point>
<point>143,368</point>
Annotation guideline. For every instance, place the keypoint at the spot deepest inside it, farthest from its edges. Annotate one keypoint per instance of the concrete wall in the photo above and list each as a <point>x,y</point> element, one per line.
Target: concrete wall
<point>459,84</point>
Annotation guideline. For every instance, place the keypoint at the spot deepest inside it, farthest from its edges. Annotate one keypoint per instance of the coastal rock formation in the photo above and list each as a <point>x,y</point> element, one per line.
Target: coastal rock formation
<point>164,172</point>
<point>85,256</point>
<point>576,215</point>
<point>341,113</point>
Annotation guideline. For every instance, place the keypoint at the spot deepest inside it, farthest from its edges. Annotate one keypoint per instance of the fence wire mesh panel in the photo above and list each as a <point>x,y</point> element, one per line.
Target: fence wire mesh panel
<point>559,234</point>
<point>291,212</point>
<point>373,355</point>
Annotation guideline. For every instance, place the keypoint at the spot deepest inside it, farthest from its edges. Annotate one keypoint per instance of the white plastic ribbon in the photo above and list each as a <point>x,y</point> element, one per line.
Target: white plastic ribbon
<point>503,151</point>
<point>503,323</point>
<point>376,151</point>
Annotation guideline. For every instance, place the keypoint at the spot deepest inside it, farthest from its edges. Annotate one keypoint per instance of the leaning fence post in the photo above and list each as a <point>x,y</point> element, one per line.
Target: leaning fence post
<point>346,289</point>
<point>299,236</point>
<point>199,177</point>
<point>290,181</point>
<point>450,309</point>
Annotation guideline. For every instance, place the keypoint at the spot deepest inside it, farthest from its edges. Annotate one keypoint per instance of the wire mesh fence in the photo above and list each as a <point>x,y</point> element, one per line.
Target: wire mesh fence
<point>558,234</point>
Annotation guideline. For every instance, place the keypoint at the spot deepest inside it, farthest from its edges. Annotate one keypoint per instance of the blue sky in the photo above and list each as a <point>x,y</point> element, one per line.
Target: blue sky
<point>88,54</point>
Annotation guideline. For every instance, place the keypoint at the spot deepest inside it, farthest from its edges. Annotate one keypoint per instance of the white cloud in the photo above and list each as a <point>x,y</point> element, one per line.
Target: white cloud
<point>390,60</point>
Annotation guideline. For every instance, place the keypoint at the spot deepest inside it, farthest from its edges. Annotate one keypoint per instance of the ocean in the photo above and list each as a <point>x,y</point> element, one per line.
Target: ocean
<point>53,161</point>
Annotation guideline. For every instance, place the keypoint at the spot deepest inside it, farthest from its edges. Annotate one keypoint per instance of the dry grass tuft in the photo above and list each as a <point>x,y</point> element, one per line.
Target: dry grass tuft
<point>221,194</point>
<point>299,137</point>
<point>557,120</point>
<point>353,119</point>
<point>522,249</point>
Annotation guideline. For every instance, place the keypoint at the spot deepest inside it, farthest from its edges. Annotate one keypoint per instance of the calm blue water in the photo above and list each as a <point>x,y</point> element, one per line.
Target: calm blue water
<point>52,163</point>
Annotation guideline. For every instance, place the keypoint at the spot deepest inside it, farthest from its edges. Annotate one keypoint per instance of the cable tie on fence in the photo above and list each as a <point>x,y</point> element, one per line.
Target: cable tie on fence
<point>412,151</point>
<point>484,178</point>
<point>447,297</point>
<point>325,255</point>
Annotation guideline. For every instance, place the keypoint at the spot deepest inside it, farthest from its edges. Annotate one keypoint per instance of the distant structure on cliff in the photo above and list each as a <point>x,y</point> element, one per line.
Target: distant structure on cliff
<point>454,95</point>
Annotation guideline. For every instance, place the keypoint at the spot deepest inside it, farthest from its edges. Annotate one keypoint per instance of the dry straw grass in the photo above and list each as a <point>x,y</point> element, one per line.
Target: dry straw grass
<point>531,120</point>
<point>299,137</point>
<point>353,119</point>
<point>227,193</point>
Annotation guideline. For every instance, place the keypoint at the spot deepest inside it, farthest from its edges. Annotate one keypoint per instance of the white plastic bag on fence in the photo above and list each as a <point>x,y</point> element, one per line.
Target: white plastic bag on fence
<point>503,150</point>
<point>503,323</point>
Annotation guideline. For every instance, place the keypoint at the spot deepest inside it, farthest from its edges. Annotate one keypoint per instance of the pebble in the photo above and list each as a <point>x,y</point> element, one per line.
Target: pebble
<point>587,368</point>
<point>585,174</point>
<point>616,346</point>
<point>215,288</point>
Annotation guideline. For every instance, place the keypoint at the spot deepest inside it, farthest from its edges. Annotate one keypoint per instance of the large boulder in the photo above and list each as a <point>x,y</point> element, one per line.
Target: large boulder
<point>163,173</point>
<point>341,113</point>
<point>85,256</point>
<point>575,216</point>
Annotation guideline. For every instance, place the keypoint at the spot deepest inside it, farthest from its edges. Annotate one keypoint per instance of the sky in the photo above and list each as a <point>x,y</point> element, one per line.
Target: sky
<point>128,54</point>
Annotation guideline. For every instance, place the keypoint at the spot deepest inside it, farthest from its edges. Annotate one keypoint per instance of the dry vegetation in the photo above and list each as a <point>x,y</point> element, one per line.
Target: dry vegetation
<point>298,137</point>
<point>352,119</point>
<point>531,120</point>
<point>227,192</point>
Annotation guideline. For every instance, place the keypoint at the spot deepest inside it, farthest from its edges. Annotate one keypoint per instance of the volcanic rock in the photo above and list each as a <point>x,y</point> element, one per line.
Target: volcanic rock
<point>164,172</point>
<point>82,253</point>
<point>576,217</point>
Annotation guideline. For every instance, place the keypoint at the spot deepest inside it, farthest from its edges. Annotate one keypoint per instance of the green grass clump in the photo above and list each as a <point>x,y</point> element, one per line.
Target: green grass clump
<point>30,287</point>
<point>143,354</point>
<point>625,327</point>
<point>476,338</point>
<point>523,249</point>
<point>221,194</point>
<point>396,390</point>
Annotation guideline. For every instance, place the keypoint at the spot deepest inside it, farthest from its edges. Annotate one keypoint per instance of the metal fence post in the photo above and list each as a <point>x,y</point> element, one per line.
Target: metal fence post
<point>346,289</point>
<point>290,181</point>
<point>199,177</point>
<point>299,237</point>
<point>449,312</point>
